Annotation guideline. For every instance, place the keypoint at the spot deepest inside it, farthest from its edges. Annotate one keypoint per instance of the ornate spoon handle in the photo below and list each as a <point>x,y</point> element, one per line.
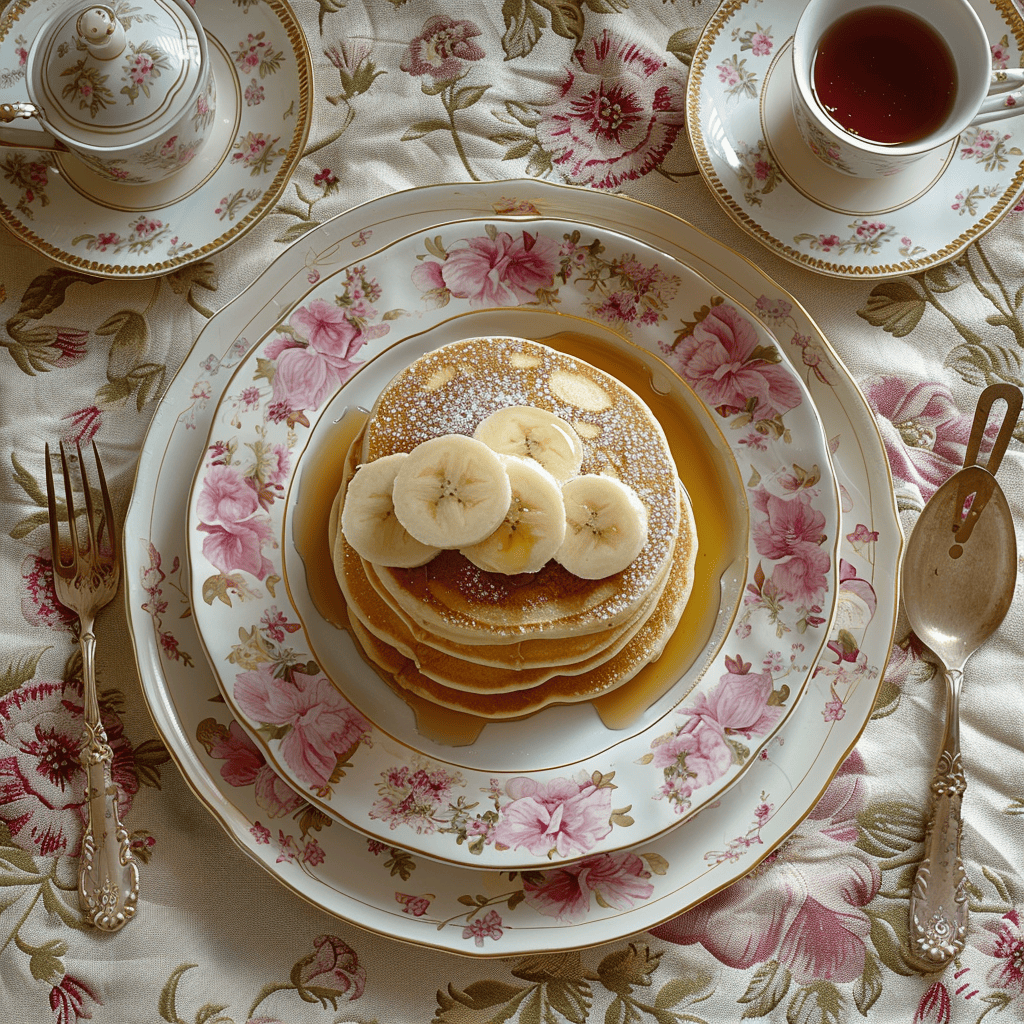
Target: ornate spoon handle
<point>108,875</point>
<point>938,900</point>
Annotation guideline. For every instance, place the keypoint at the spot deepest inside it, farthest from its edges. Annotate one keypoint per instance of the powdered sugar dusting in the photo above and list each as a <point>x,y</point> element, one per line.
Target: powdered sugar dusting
<point>451,390</point>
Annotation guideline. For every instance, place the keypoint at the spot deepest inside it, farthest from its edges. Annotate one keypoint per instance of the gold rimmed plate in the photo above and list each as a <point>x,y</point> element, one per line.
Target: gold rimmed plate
<point>264,78</point>
<point>611,788</point>
<point>338,868</point>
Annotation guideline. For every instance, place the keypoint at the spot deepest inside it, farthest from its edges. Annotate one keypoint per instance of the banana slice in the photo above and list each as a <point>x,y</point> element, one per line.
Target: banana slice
<point>606,526</point>
<point>368,518</point>
<point>537,434</point>
<point>451,491</point>
<point>533,528</point>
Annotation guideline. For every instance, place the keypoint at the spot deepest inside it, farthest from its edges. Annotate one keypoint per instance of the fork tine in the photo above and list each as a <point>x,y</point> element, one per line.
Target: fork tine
<point>51,505</point>
<point>69,499</point>
<point>108,512</point>
<point>90,515</point>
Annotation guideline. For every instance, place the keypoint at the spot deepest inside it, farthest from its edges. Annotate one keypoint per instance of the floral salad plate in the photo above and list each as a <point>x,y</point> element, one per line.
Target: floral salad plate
<point>381,886</point>
<point>767,179</point>
<point>264,79</point>
<point>312,706</point>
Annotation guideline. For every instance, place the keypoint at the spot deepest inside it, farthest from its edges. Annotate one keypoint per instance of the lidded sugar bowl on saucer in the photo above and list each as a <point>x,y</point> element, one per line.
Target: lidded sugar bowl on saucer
<point>128,89</point>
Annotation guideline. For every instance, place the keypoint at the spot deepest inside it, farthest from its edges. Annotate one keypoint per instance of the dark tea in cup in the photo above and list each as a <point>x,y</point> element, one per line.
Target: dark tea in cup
<point>884,75</point>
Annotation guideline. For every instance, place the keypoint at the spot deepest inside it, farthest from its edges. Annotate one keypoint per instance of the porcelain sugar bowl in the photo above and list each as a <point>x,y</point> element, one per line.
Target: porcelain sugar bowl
<point>126,87</point>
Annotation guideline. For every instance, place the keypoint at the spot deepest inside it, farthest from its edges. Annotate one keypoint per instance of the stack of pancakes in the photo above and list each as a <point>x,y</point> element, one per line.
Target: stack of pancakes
<point>502,646</point>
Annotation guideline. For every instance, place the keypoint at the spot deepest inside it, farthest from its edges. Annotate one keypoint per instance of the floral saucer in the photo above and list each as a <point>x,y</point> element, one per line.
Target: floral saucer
<point>263,73</point>
<point>380,886</point>
<point>766,178</point>
<point>546,803</point>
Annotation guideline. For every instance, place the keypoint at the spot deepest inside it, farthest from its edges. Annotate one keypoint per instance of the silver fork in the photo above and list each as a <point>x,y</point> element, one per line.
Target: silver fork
<point>108,874</point>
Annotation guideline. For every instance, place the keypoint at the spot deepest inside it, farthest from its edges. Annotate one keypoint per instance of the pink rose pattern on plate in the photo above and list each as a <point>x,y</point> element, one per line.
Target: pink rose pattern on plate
<point>563,817</point>
<point>737,372</point>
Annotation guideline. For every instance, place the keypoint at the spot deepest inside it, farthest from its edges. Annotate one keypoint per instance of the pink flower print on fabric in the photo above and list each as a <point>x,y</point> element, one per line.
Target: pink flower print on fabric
<point>82,425</point>
<point>615,115</point>
<point>321,723</point>
<point>70,1000</point>
<point>924,433</point>
<point>39,604</point>
<point>42,781</point>
<point>227,508</point>
<point>442,49</point>
<point>803,906</point>
<point>499,271</point>
<point>561,815</point>
<point>1004,940</point>
<point>935,1005</point>
<point>618,880</point>
<point>719,361</point>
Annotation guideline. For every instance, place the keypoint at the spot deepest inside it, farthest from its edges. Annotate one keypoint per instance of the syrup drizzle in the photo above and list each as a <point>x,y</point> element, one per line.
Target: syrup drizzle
<point>719,532</point>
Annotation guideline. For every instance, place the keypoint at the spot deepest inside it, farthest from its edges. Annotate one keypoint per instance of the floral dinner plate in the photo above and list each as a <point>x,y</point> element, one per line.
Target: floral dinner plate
<point>766,178</point>
<point>380,886</point>
<point>264,78</point>
<point>546,803</point>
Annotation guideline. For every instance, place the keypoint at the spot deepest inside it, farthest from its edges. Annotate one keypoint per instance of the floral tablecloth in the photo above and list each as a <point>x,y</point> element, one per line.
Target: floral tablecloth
<point>407,93</point>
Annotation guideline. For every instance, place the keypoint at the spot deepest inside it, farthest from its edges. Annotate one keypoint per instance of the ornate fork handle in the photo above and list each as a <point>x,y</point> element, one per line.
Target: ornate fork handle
<point>938,900</point>
<point>108,874</point>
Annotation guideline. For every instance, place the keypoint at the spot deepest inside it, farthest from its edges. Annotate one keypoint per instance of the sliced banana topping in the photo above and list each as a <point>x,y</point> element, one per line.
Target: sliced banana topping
<point>606,526</point>
<point>368,518</point>
<point>451,491</point>
<point>533,528</point>
<point>532,433</point>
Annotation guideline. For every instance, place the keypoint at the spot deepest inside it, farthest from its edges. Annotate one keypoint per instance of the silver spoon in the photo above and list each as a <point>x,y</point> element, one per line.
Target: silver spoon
<point>959,573</point>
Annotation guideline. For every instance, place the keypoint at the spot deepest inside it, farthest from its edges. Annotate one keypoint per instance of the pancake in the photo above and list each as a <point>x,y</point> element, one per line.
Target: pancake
<point>498,645</point>
<point>646,646</point>
<point>452,390</point>
<point>451,665</point>
<point>369,599</point>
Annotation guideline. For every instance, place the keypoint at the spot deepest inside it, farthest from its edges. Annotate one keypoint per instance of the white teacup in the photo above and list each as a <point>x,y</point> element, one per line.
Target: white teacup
<point>980,94</point>
<point>131,95</point>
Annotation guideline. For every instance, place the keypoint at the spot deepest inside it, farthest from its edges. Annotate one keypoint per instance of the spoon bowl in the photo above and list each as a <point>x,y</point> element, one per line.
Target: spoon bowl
<point>956,599</point>
<point>959,574</point>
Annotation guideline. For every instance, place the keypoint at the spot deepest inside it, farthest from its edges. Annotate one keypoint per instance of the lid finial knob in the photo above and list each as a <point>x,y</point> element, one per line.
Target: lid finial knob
<point>102,32</point>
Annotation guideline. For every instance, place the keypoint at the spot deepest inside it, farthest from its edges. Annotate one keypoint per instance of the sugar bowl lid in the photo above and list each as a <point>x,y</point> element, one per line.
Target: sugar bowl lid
<point>107,79</point>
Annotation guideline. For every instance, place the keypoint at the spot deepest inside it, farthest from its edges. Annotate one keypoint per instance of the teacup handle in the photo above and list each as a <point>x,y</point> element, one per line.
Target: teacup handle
<point>17,138</point>
<point>1005,96</point>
